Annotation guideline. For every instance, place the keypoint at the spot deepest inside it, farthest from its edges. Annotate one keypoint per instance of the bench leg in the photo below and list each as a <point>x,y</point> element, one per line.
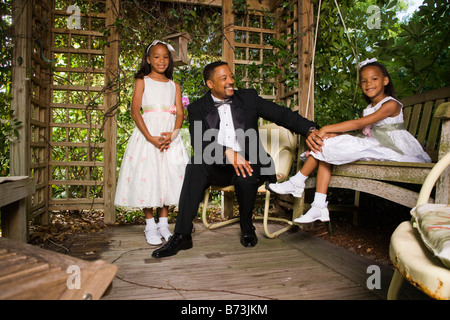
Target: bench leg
<point>356,209</point>
<point>227,204</point>
<point>396,284</point>
<point>14,221</point>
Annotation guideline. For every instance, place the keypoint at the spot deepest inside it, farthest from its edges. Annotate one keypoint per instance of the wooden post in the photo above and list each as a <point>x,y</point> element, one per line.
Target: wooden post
<point>305,50</point>
<point>228,33</point>
<point>110,132</point>
<point>20,157</point>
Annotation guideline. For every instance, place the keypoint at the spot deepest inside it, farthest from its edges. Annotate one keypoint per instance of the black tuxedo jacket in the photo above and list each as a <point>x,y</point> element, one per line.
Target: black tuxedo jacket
<point>247,107</point>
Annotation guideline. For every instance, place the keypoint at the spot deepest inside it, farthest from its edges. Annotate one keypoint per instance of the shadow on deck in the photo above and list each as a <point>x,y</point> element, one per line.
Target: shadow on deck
<point>295,266</point>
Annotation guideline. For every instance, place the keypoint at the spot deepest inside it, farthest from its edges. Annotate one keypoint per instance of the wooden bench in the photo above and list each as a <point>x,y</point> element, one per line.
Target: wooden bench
<point>14,206</point>
<point>427,117</point>
<point>28,272</point>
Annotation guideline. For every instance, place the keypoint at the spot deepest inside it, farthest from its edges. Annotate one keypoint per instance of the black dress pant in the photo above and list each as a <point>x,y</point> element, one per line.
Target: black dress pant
<point>199,177</point>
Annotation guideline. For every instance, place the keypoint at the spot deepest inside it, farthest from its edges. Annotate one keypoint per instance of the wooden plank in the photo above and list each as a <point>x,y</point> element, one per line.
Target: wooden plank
<point>425,122</point>
<point>82,14</point>
<point>13,204</point>
<point>228,32</point>
<point>110,124</point>
<point>80,69</point>
<point>78,32</point>
<point>382,189</point>
<point>76,88</point>
<point>442,93</point>
<point>75,183</point>
<point>12,191</point>
<point>415,117</point>
<point>305,52</point>
<point>78,51</point>
<point>434,132</point>
<point>43,274</point>
<point>407,174</point>
<point>218,268</point>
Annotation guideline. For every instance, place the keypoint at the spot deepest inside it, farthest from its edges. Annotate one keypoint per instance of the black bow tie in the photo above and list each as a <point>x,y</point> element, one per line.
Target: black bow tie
<point>222,102</point>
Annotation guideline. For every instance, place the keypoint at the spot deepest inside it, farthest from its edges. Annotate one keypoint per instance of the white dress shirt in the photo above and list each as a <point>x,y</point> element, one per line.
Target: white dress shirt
<point>227,135</point>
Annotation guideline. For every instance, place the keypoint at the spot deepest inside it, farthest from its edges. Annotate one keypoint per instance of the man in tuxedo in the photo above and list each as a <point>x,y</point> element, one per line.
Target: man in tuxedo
<point>223,126</point>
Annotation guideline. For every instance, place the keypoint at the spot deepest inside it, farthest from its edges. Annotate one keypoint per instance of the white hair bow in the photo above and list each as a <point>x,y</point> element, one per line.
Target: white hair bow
<point>367,61</point>
<point>154,43</point>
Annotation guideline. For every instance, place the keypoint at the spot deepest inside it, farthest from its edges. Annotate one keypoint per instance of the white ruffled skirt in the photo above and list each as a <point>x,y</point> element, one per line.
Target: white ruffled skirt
<point>148,177</point>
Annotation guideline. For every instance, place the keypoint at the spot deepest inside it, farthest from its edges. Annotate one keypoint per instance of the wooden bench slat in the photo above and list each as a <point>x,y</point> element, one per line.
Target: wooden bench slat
<point>49,284</point>
<point>415,119</point>
<point>425,122</point>
<point>29,272</point>
<point>406,116</point>
<point>19,270</point>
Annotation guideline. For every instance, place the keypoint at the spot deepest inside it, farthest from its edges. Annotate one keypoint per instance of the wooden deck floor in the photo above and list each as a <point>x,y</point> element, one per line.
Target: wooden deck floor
<point>294,266</point>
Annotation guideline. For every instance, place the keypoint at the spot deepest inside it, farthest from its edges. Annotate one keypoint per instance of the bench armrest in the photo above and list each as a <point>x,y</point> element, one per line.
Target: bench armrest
<point>443,111</point>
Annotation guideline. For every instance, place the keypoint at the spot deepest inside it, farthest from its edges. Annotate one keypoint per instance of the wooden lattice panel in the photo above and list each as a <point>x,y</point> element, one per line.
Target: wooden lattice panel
<point>78,106</point>
<point>288,32</point>
<point>253,33</point>
<point>295,27</point>
<point>39,103</point>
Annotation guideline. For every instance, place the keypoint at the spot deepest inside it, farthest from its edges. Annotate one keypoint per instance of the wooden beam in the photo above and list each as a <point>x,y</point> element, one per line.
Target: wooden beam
<point>213,3</point>
<point>110,151</point>
<point>260,5</point>
<point>228,33</point>
<point>20,87</point>
<point>20,153</point>
<point>305,49</point>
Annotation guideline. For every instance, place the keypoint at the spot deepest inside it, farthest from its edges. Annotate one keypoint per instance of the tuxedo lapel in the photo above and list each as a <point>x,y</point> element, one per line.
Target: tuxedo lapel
<point>238,112</point>
<point>210,113</point>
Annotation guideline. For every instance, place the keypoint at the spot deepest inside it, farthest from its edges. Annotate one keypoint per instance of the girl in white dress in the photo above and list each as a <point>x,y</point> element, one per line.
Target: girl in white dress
<point>383,137</point>
<point>154,162</point>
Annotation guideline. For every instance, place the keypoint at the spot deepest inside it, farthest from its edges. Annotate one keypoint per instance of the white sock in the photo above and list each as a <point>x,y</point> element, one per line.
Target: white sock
<point>164,220</point>
<point>298,179</point>
<point>320,199</point>
<point>150,223</point>
<point>163,227</point>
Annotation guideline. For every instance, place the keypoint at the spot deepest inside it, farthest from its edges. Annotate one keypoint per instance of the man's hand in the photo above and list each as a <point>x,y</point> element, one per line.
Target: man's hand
<point>314,141</point>
<point>240,165</point>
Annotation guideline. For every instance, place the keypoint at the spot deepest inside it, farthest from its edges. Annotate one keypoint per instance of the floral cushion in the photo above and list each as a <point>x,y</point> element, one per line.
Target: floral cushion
<point>433,223</point>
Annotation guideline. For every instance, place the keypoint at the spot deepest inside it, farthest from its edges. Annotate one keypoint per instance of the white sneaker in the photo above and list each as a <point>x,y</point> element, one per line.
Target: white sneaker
<point>152,236</point>
<point>287,187</point>
<point>164,231</point>
<point>315,213</point>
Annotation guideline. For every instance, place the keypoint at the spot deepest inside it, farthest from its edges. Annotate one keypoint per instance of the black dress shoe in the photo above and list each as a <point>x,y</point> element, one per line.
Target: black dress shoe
<point>176,243</point>
<point>249,239</point>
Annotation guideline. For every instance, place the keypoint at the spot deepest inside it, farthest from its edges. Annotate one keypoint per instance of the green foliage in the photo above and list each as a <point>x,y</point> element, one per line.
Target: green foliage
<point>8,124</point>
<point>415,52</point>
<point>419,55</point>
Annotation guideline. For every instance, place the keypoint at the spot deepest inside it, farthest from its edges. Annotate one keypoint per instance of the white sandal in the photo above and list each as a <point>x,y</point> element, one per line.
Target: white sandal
<point>153,236</point>
<point>315,213</point>
<point>287,187</point>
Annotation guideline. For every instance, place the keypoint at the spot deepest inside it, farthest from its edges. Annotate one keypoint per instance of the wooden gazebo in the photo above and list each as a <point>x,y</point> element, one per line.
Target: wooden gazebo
<point>51,93</point>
